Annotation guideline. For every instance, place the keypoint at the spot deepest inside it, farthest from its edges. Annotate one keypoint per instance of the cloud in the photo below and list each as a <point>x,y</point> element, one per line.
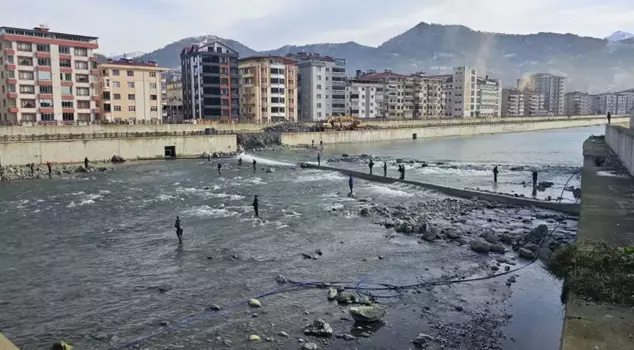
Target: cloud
<point>133,25</point>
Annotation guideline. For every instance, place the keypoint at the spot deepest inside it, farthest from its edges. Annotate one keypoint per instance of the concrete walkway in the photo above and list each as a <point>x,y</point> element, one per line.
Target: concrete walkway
<point>5,344</point>
<point>607,214</point>
<point>568,208</point>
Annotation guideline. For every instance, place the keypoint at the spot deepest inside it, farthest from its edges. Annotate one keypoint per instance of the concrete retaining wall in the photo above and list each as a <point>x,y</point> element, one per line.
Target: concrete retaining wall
<point>621,141</point>
<point>568,208</point>
<point>74,151</point>
<point>294,139</point>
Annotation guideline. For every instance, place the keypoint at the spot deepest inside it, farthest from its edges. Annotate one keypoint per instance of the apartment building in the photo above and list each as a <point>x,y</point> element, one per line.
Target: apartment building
<point>268,89</point>
<point>210,82</point>
<point>429,97</point>
<point>534,103</point>
<point>397,92</point>
<point>322,86</point>
<point>364,98</point>
<point>552,87</point>
<point>488,98</point>
<point>578,103</point>
<point>130,91</point>
<point>615,103</point>
<point>512,103</point>
<point>173,100</point>
<point>47,76</point>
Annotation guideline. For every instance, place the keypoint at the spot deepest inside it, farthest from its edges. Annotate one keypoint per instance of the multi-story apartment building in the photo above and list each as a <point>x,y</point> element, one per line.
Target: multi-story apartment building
<point>512,103</point>
<point>578,103</point>
<point>429,97</point>
<point>397,92</point>
<point>131,91</point>
<point>488,98</point>
<point>322,86</point>
<point>210,82</point>
<point>364,98</point>
<point>47,76</point>
<point>534,103</point>
<point>174,100</point>
<point>552,87</point>
<point>615,103</point>
<point>268,89</point>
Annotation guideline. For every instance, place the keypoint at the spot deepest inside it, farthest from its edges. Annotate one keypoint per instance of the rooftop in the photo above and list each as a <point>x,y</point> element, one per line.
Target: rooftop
<point>286,60</point>
<point>44,32</point>
<point>131,63</point>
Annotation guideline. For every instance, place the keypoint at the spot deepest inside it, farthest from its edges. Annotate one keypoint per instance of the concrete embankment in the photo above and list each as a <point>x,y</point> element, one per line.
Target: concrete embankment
<point>621,141</point>
<point>568,208</point>
<point>465,128</point>
<point>607,215</point>
<point>74,151</point>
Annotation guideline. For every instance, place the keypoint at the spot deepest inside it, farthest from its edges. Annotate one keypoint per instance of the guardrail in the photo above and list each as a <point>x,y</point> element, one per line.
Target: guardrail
<point>109,135</point>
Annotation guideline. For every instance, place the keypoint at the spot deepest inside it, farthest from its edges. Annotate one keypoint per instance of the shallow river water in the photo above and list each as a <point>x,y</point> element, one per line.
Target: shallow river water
<point>94,259</point>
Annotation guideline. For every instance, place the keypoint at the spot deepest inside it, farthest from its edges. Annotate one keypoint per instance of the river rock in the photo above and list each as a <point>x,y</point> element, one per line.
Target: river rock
<point>453,234</point>
<point>497,248</point>
<point>480,246</point>
<point>254,337</point>
<point>430,234</point>
<point>423,339</point>
<point>367,313</point>
<point>526,253</point>
<point>349,337</point>
<point>544,253</point>
<point>319,328</point>
<point>283,334</point>
<point>270,170</point>
<point>117,159</point>
<point>345,298</point>
<point>506,239</point>
<point>332,293</point>
<point>280,279</point>
<point>309,346</point>
<point>214,307</point>
<point>365,212</point>
<point>255,303</point>
<point>492,238</point>
<point>531,246</point>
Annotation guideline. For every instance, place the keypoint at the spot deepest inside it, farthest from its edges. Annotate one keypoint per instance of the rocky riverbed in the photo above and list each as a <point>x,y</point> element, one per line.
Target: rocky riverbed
<point>13,173</point>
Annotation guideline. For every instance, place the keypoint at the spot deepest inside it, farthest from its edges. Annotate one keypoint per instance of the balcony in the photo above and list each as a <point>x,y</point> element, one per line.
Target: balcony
<point>46,96</point>
<point>11,66</point>
<point>12,81</point>
<point>66,83</point>
<point>46,110</point>
<point>44,68</point>
<point>96,110</point>
<point>65,56</point>
<point>43,54</point>
<point>68,110</point>
<point>65,70</point>
<point>68,97</point>
<point>45,83</point>
<point>14,109</point>
<point>9,51</point>
<point>12,95</point>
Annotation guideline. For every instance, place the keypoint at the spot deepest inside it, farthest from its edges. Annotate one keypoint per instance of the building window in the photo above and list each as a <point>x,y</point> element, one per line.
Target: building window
<point>115,72</point>
<point>130,73</point>
<point>30,89</point>
<point>116,96</point>
<point>131,84</point>
<point>25,47</point>
<point>153,97</point>
<point>319,96</point>
<point>131,109</point>
<point>46,62</point>
<point>67,104</point>
<point>64,50</point>
<point>153,86</point>
<point>28,117</point>
<point>152,74</point>
<point>46,103</point>
<point>43,48</point>
<point>83,117</point>
<point>25,75</point>
<point>116,84</point>
<point>81,65</point>
<point>82,78</point>
<point>25,61</point>
<point>153,108</point>
<point>66,76</point>
<point>83,104</point>
<point>131,97</point>
<point>80,51</point>
<point>27,103</point>
<point>318,87</point>
<point>67,90</point>
<point>43,75</point>
<point>319,77</point>
<point>117,108</point>
<point>65,63</point>
<point>68,117</point>
<point>82,91</point>
<point>319,105</point>
<point>47,117</point>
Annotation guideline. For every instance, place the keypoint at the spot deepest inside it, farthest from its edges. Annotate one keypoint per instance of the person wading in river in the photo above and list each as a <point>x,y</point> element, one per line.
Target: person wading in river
<point>351,184</point>
<point>240,162</point>
<point>49,165</point>
<point>495,174</point>
<point>86,163</point>
<point>371,165</point>
<point>256,206</point>
<point>179,230</point>
<point>254,165</point>
<point>384,169</point>
<point>609,118</point>
<point>318,159</point>
<point>219,168</point>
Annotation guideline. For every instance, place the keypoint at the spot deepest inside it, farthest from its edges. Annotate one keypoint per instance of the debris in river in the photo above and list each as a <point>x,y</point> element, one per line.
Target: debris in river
<point>319,328</point>
<point>367,313</point>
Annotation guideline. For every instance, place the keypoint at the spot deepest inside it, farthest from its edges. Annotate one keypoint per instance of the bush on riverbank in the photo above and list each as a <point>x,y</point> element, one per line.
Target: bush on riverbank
<point>597,271</point>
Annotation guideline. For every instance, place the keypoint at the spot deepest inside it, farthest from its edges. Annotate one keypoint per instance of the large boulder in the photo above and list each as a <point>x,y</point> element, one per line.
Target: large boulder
<point>371,313</point>
<point>492,238</point>
<point>430,234</point>
<point>526,253</point>
<point>319,328</point>
<point>480,246</point>
<point>117,159</point>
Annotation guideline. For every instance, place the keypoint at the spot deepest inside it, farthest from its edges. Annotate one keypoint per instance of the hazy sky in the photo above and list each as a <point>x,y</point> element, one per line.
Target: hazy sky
<point>146,25</point>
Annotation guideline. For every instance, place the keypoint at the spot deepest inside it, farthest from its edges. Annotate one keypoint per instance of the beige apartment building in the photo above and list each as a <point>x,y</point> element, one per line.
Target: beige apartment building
<point>429,97</point>
<point>397,91</point>
<point>174,100</point>
<point>47,77</point>
<point>268,89</point>
<point>513,103</point>
<point>130,91</point>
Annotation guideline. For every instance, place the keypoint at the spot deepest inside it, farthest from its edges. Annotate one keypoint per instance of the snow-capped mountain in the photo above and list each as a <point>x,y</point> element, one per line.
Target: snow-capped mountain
<point>128,55</point>
<point>619,35</point>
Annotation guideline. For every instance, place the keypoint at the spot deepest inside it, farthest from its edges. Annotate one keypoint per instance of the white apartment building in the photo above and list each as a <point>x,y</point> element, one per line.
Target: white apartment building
<point>615,103</point>
<point>534,104</point>
<point>488,98</point>
<point>553,87</point>
<point>464,96</point>
<point>512,103</point>
<point>398,94</point>
<point>47,77</point>
<point>322,86</point>
<point>364,98</point>
<point>578,103</point>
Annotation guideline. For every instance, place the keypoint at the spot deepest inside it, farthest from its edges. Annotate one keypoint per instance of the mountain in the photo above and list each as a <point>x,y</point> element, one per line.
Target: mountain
<point>128,55</point>
<point>591,64</point>
<point>619,35</point>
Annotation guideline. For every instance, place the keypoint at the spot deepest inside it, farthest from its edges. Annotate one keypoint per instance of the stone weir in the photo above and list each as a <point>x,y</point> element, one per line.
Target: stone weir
<point>568,208</point>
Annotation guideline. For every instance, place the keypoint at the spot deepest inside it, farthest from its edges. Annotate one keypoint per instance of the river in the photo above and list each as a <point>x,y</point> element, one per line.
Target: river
<point>94,259</point>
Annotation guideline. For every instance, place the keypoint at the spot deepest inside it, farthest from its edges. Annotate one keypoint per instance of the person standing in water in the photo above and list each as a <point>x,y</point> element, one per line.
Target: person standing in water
<point>534,178</point>
<point>254,165</point>
<point>351,184</point>
<point>32,166</point>
<point>86,163</point>
<point>371,165</point>
<point>318,159</point>
<point>49,165</point>
<point>256,205</point>
<point>240,162</point>
<point>609,118</point>
<point>384,169</point>
<point>495,174</point>
<point>179,230</point>
<point>219,168</point>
